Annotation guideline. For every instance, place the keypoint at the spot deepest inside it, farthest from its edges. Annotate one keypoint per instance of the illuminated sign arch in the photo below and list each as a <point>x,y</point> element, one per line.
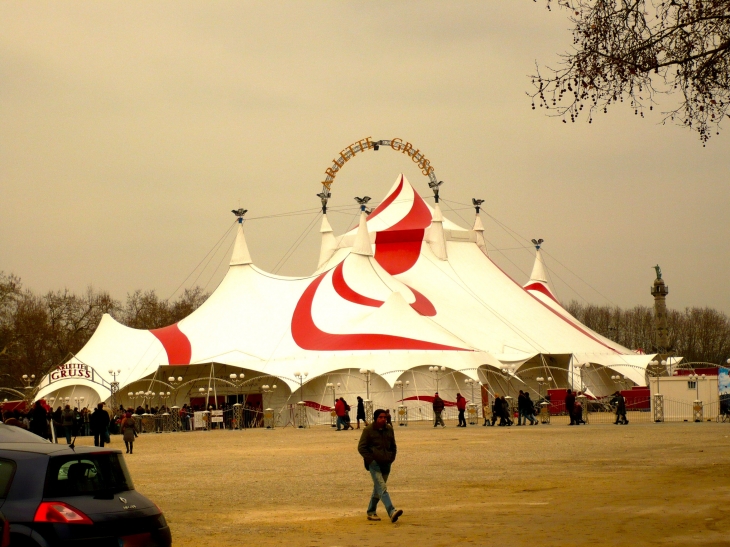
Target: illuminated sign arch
<point>365,144</point>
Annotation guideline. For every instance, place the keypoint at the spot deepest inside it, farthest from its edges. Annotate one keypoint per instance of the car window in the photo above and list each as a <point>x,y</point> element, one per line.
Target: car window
<point>87,474</point>
<point>7,470</point>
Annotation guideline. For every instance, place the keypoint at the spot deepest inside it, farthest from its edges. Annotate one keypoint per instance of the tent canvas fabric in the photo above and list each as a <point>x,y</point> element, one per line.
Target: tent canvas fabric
<point>404,288</point>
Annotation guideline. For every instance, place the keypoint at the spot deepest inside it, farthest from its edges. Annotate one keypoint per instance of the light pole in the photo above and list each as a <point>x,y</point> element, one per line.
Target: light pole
<point>438,374</point>
<point>269,421</point>
<point>402,408</point>
<point>472,406</point>
<point>619,380</point>
<point>367,372</point>
<point>541,381</point>
<point>697,407</point>
<point>114,388</point>
<point>301,405</point>
<point>237,406</point>
<point>333,414</point>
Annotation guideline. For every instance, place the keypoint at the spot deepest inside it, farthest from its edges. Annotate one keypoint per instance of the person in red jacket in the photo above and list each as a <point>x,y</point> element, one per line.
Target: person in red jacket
<point>340,411</point>
<point>461,405</point>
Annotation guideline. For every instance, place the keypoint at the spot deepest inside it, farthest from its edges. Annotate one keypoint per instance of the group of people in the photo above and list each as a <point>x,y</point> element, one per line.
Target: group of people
<point>574,408</point>
<point>342,413</point>
<point>64,422</point>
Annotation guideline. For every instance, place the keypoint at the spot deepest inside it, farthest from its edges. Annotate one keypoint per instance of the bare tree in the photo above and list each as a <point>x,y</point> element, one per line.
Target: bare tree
<point>632,50</point>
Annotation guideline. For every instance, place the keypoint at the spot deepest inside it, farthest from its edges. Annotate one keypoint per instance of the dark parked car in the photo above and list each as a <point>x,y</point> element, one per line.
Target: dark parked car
<point>54,495</point>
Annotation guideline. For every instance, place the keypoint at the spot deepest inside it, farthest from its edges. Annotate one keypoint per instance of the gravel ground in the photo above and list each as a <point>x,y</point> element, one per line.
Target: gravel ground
<point>643,484</point>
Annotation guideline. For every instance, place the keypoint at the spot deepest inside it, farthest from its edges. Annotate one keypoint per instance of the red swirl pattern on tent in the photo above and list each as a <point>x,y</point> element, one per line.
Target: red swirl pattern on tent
<point>398,247</point>
<point>176,344</point>
<point>308,336</point>
<point>422,304</point>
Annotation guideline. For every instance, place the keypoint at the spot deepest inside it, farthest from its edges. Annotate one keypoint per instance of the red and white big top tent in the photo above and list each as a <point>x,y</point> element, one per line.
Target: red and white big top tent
<point>404,291</point>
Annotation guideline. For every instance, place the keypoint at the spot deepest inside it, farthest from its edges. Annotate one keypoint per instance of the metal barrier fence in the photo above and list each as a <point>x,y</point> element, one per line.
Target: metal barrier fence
<point>595,411</point>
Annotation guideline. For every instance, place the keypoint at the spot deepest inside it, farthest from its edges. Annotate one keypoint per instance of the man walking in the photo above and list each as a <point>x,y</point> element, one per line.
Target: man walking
<point>521,415</point>
<point>378,450</point>
<point>340,411</point>
<point>438,408</point>
<point>99,421</point>
<point>620,403</point>
<point>569,404</point>
<point>461,406</point>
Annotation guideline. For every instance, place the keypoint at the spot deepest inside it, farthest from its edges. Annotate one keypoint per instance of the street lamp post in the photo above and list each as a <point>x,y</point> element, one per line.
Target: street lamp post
<point>367,372</point>
<point>175,422</point>
<point>333,414</point>
<point>438,373</point>
<point>472,408</point>
<point>402,415</point>
<point>269,422</point>
<point>114,388</point>
<point>302,421</point>
<point>698,407</point>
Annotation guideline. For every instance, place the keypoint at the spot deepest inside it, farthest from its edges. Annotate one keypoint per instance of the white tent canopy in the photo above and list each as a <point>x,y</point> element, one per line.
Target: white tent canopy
<point>405,288</point>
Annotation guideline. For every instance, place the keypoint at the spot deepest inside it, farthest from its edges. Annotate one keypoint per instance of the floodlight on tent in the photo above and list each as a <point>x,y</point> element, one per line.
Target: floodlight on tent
<point>537,243</point>
<point>232,376</point>
<point>131,394</point>
<point>179,378</point>
<point>273,387</point>
<point>239,214</point>
<point>201,390</point>
<point>477,203</point>
<point>171,379</point>
<point>664,363</point>
<point>363,201</point>
<point>435,187</point>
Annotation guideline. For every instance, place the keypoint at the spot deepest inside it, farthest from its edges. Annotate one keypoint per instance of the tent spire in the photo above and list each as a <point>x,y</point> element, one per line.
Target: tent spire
<point>479,227</point>
<point>435,233</point>
<point>538,270</point>
<point>240,254</point>
<point>329,242</point>
<point>362,239</point>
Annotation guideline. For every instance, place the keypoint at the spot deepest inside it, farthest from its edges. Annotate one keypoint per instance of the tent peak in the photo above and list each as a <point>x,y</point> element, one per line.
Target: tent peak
<point>240,256</point>
<point>362,239</point>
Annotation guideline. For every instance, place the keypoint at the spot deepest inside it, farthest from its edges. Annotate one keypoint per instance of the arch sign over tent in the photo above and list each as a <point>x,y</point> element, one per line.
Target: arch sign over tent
<point>362,145</point>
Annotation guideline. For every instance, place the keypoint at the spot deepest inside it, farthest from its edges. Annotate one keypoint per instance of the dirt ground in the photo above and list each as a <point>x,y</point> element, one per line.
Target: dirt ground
<point>643,484</point>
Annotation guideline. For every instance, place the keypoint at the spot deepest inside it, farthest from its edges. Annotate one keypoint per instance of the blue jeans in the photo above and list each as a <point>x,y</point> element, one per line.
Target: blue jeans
<point>340,422</point>
<point>67,431</point>
<point>379,474</point>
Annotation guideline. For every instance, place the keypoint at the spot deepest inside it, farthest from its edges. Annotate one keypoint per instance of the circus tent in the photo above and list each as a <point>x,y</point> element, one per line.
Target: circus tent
<point>403,290</point>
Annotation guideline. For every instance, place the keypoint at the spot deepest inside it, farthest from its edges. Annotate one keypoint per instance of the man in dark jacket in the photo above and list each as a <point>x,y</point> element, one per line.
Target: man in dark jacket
<point>378,450</point>
<point>620,403</point>
<point>99,421</point>
<point>569,404</point>
<point>461,406</point>
<point>39,422</point>
<point>438,408</point>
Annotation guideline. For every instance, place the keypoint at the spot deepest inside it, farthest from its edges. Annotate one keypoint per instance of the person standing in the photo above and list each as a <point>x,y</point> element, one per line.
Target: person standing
<point>620,403</point>
<point>378,450</point>
<point>521,418</point>
<point>569,406</point>
<point>346,419</point>
<point>461,406</point>
<point>496,408</point>
<point>361,412</point>
<point>39,423</point>
<point>99,421</point>
<point>529,410</point>
<point>340,411</point>
<point>438,408</point>
<point>67,421</point>
<point>129,431</point>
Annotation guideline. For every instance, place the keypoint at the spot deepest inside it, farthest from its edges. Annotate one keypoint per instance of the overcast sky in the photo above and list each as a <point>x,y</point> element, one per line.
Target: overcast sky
<point>129,130</point>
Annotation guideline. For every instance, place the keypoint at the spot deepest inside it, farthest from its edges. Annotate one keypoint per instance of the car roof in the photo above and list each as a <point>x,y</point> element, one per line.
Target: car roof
<point>53,450</point>
<point>13,434</point>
